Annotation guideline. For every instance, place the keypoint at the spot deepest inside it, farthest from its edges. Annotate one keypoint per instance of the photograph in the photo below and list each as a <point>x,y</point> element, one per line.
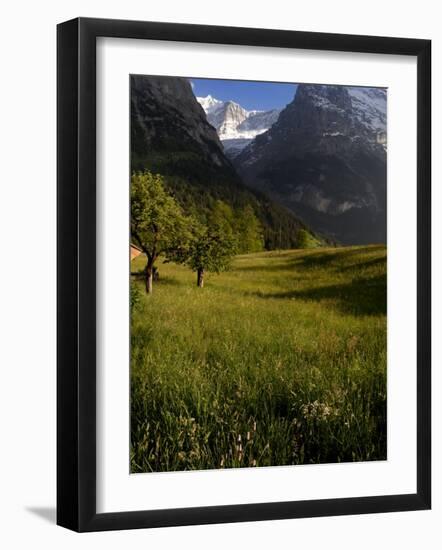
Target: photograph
<point>258,273</point>
<point>231,333</point>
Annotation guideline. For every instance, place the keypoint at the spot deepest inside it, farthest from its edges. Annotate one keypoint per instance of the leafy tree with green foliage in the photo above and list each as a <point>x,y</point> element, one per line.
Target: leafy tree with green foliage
<point>212,244</point>
<point>249,231</point>
<point>158,225</point>
<point>212,250</point>
<point>222,216</point>
<point>307,240</point>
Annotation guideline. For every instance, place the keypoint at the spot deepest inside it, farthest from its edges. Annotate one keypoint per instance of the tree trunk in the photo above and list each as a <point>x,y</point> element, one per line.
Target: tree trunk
<point>149,277</point>
<point>200,278</point>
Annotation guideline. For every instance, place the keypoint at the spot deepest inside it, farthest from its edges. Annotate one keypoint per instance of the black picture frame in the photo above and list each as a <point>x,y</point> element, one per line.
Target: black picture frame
<point>76,274</point>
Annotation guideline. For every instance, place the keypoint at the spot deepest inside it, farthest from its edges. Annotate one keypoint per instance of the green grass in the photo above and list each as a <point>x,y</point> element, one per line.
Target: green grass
<point>281,360</point>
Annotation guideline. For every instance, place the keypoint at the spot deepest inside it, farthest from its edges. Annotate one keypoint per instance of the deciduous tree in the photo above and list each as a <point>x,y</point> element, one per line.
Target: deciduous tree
<point>212,250</point>
<point>158,225</point>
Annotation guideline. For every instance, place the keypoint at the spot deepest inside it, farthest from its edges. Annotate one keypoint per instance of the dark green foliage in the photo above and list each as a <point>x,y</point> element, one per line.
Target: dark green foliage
<point>197,189</point>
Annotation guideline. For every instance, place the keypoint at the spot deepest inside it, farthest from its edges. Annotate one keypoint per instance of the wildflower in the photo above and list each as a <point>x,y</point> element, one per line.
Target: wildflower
<point>317,411</point>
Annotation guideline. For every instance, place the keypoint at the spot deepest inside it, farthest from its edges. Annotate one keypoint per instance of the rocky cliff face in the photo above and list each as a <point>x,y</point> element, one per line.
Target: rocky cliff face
<point>325,159</point>
<point>166,117</point>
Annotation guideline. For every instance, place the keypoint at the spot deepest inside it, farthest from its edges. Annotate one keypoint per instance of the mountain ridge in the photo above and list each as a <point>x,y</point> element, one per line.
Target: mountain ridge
<point>325,160</point>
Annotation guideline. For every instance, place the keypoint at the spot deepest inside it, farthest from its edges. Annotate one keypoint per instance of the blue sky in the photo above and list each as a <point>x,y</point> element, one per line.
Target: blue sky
<point>250,95</point>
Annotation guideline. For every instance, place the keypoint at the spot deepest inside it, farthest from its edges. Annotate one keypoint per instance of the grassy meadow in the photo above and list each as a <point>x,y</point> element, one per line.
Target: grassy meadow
<point>281,360</point>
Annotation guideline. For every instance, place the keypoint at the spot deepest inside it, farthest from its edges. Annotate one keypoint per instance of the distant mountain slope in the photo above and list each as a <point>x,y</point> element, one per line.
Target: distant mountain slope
<point>170,135</point>
<point>236,126</point>
<point>325,160</point>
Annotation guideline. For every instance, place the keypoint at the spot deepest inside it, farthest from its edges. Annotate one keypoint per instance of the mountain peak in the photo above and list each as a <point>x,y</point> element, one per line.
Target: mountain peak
<point>325,160</point>
<point>235,125</point>
<point>209,103</point>
<point>324,97</point>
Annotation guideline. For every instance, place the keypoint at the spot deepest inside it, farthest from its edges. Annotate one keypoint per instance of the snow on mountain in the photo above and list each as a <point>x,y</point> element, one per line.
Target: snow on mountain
<point>209,103</point>
<point>325,160</point>
<point>233,147</point>
<point>259,121</point>
<point>228,119</point>
<point>370,107</point>
<point>236,126</point>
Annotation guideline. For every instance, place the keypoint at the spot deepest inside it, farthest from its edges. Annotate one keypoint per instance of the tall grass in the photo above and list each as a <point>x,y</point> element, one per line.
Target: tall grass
<point>281,360</point>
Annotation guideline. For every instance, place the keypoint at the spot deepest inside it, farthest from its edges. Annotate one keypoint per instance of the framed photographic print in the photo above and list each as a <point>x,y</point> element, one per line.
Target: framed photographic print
<point>234,342</point>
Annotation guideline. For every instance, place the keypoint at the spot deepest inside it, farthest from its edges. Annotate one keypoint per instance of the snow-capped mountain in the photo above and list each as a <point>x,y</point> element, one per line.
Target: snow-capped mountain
<point>227,119</point>
<point>236,126</point>
<point>209,103</point>
<point>325,160</point>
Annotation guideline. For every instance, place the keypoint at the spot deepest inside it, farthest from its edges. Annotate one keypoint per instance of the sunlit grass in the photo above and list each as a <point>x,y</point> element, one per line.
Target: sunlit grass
<point>281,360</point>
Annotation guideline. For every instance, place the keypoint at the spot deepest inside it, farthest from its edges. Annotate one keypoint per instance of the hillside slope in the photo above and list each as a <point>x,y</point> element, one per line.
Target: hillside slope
<point>170,135</point>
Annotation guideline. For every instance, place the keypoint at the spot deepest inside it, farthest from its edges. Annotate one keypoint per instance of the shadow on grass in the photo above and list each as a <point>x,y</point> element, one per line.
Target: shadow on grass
<point>357,297</point>
<point>364,265</point>
<point>317,259</point>
<point>323,259</point>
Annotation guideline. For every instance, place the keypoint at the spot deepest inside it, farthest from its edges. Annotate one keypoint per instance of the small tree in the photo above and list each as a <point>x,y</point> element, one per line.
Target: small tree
<point>212,249</point>
<point>158,225</point>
